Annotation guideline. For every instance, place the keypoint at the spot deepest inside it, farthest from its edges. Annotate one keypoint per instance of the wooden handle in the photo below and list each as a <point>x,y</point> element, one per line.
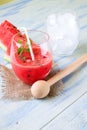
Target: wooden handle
<point>68,70</point>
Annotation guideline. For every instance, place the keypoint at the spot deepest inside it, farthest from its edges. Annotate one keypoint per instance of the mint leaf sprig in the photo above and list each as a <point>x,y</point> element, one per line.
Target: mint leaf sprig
<point>19,41</point>
<point>22,48</point>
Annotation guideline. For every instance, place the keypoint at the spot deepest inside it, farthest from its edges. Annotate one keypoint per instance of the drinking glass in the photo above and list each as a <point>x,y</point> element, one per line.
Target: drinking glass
<point>25,68</point>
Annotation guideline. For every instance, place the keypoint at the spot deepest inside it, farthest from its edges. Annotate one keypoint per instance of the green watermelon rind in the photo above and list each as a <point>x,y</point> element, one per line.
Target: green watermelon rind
<point>7,58</point>
<point>2,46</point>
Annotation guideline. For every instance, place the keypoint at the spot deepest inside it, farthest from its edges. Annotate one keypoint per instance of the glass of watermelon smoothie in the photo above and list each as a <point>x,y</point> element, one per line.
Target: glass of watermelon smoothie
<point>25,68</point>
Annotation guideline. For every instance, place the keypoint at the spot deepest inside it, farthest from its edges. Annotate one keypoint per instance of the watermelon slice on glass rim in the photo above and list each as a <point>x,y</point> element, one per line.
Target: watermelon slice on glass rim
<point>7,30</point>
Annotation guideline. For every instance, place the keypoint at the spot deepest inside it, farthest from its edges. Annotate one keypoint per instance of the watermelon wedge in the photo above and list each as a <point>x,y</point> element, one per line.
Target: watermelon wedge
<point>7,30</point>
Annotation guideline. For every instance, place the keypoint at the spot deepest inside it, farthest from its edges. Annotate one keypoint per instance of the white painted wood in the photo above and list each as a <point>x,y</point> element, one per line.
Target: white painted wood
<point>73,118</point>
<point>67,111</point>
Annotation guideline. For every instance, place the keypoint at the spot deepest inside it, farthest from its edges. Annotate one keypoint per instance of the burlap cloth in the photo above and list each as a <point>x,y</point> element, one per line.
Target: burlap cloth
<point>14,89</point>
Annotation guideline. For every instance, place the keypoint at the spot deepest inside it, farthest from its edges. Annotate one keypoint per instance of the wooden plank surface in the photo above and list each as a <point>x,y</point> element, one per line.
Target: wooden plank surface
<point>72,118</point>
<point>68,110</point>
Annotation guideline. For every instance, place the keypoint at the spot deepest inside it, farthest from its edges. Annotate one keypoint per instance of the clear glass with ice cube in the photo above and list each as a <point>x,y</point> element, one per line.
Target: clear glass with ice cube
<point>63,30</point>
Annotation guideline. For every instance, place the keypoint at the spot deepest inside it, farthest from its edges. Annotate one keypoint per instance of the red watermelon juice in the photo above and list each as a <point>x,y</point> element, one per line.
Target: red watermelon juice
<point>27,70</point>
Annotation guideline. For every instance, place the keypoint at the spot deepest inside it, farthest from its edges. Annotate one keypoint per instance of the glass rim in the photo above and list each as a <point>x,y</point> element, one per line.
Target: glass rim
<point>33,30</point>
<point>27,66</point>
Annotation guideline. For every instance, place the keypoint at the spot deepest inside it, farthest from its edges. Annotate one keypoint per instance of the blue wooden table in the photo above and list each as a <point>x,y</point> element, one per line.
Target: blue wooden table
<point>68,110</point>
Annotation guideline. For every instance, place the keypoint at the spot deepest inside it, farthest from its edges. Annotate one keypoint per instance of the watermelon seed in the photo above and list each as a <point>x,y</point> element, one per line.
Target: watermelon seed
<point>44,57</point>
<point>24,58</point>
<point>40,64</point>
<point>28,75</point>
<point>14,27</point>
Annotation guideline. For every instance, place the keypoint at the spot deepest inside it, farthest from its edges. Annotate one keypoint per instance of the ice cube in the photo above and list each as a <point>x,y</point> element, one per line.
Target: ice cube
<point>63,30</point>
<point>51,19</point>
